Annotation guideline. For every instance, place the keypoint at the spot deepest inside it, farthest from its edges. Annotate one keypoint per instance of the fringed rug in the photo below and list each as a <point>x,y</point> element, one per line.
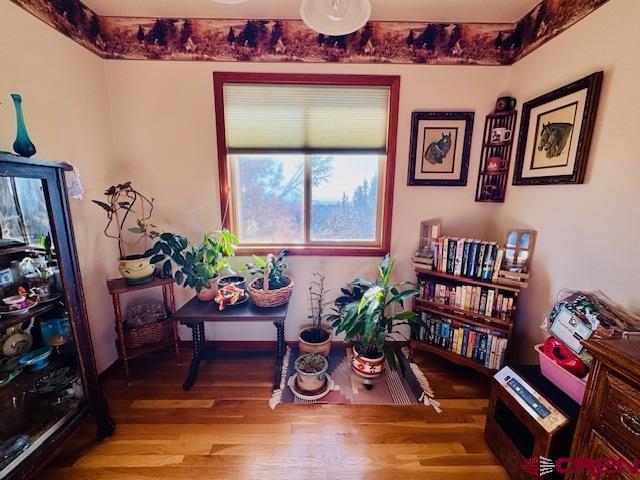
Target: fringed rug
<point>391,388</point>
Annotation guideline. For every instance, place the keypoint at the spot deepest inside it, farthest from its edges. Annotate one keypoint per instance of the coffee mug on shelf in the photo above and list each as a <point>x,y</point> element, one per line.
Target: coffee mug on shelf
<point>500,134</point>
<point>494,164</point>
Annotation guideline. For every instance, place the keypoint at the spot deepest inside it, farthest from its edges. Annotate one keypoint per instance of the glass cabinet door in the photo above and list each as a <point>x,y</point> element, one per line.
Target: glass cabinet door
<point>40,382</point>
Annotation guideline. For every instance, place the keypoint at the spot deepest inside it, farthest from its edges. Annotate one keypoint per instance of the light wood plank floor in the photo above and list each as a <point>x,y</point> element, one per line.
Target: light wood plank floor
<point>223,429</point>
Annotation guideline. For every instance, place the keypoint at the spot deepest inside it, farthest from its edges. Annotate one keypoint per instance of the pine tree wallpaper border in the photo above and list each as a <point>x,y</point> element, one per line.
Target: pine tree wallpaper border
<point>184,39</point>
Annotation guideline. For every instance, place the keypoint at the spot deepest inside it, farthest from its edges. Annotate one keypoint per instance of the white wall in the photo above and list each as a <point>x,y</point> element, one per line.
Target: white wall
<point>153,123</point>
<point>65,106</point>
<point>165,141</point>
<point>587,234</point>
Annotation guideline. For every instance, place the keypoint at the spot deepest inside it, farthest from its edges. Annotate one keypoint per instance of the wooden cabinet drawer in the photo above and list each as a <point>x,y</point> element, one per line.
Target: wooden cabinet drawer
<point>619,415</point>
<point>599,448</point>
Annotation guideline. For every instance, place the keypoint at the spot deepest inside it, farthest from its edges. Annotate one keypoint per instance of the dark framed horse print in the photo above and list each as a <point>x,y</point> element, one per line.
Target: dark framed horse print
<point>440,148</point>
<point>555,134</point>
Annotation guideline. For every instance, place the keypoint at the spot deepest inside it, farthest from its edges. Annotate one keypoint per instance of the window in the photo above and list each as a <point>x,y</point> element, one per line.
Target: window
<point>307,161</point>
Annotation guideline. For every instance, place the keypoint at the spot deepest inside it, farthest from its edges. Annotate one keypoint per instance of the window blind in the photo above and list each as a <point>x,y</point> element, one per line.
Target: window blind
<point>305,118</point>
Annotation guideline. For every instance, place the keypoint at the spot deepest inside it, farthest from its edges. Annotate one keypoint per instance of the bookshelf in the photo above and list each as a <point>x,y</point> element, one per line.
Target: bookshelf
<point>498,325</point>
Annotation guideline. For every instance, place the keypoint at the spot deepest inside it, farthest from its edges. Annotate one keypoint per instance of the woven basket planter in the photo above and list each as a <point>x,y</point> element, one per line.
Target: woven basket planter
<point>263,297</point>
<point>146,334</point>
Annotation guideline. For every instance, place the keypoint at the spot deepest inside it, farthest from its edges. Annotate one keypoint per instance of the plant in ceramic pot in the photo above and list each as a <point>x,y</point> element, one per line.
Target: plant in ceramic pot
<point>272,287</point>
<point>367,314</point>
<point>316,337</point>
<point>128,214</point>
<point>311,372</point>
<point>197,265</point>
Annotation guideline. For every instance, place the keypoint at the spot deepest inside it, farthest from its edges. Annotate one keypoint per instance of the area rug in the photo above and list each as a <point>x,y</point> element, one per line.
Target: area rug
<point>391,388</point>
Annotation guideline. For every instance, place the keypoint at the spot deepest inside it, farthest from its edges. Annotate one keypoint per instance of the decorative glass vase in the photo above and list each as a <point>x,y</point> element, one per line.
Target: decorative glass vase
<point>23,145</point>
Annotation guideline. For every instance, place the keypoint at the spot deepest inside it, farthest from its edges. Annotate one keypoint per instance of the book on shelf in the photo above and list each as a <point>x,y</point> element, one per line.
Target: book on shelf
<point>482,345</point>
<point>465,257</point>
<point>472,299</point>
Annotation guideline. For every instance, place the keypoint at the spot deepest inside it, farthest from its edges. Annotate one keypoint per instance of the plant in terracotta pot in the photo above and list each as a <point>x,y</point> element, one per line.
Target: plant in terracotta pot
<point>312,373</point>
<point>128,214</point>
<point>366,313</point>
<point>272,287</point>
<point>316,337</point>
<point>197,265</point>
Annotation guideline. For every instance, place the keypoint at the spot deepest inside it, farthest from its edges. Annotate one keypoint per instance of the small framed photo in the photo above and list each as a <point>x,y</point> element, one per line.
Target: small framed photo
<point>555,134</point>
<point>429,232</point>
<point>440,148</point>
<point>6,277</point>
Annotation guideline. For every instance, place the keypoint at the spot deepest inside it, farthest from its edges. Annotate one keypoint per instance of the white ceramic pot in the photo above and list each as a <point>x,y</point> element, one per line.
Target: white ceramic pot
<point>136,269</point>
<point>311,383</point>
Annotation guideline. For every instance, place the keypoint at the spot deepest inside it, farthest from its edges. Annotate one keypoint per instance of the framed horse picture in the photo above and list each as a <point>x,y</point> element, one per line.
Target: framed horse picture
<point>555,134</point>
<point>440,148</point>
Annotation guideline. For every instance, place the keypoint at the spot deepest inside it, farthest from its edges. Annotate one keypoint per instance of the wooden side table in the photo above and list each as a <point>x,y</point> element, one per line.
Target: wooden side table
<point>194,314</point>
<point>118,287</point>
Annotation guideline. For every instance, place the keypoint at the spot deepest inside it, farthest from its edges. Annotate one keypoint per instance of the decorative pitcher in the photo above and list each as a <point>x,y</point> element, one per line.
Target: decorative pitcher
<point>17,341</point>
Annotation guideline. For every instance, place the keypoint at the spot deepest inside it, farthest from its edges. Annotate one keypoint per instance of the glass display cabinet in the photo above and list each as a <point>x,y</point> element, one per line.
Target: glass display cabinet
<point>48,379</point>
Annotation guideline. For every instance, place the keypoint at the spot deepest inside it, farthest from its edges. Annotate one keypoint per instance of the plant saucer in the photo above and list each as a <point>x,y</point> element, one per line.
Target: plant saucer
<point>293,386</point>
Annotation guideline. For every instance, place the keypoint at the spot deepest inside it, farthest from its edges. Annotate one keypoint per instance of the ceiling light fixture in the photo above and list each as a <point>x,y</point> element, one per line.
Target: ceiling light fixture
<point>335,17</point>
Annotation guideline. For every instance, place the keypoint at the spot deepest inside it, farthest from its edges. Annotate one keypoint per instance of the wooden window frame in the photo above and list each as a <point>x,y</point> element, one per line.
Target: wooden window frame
<point>333,249</point>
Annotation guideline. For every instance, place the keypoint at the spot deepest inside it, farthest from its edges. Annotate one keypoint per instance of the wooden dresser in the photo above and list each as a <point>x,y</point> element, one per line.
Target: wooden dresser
<point>609,423</point>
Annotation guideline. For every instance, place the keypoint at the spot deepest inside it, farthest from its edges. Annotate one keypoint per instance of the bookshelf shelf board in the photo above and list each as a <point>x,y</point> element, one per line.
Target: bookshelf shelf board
<point>463,315</point>
<point>498,144</point>
<point>452,357</point>
<point>468,280</point>
<point>501,114</point>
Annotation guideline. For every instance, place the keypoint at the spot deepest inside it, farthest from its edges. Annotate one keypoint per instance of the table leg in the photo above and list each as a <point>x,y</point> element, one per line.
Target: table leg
<point>198,351</point>
<point>280,351</point>
<point>120,330</point>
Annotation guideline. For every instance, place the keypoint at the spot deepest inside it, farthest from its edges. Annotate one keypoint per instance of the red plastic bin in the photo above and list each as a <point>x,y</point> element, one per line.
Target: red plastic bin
<point>565,381</point>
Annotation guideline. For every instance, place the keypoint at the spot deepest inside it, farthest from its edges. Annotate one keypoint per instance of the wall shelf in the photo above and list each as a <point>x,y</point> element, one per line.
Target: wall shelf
<point>492,186</point>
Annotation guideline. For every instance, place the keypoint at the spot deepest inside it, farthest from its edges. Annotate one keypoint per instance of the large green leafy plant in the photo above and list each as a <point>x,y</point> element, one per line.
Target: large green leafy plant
<point>276,266</point>
<point>367,313</point>
<point>196,264</point>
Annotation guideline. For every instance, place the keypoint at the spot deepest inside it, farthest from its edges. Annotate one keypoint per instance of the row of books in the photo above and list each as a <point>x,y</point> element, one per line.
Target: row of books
<point>467,257</point>
<point>475,299</point>
<point>482,345</point>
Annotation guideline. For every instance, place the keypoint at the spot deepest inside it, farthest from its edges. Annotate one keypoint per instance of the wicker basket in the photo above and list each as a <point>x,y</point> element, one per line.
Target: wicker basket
<point>149,333</point>
<point>264,297</point>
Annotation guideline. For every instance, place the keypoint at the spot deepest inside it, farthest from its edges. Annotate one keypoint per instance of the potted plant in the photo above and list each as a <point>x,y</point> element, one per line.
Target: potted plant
<point>316,338</point>
<point>197,265</point>
<point>128,215</point>
<point>273,287</point>
<point>365,313</point>
<point>312,373</point>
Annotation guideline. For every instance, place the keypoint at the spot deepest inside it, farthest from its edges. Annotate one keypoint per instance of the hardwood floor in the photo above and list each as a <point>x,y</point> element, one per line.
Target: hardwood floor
<point>223,429</point>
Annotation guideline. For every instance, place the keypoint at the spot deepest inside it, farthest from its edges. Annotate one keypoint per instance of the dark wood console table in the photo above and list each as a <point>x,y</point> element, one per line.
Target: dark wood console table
<point>194,314</point>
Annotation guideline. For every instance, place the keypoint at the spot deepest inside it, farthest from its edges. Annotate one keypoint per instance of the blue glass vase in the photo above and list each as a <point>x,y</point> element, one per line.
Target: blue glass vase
<point>23,145</point>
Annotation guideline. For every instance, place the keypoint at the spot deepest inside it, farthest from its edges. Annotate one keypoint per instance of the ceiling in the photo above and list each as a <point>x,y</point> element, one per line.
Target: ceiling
<point>484,11</point>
